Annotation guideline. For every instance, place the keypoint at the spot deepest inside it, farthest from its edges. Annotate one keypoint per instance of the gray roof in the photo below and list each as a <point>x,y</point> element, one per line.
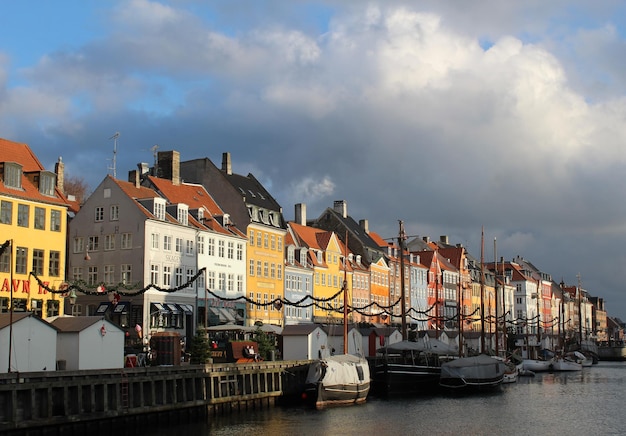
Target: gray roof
<point>5,319</point>
<point>75,323</point>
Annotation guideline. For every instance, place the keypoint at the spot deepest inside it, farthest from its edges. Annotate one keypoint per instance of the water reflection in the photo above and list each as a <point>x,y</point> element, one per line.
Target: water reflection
<point>587,402</point>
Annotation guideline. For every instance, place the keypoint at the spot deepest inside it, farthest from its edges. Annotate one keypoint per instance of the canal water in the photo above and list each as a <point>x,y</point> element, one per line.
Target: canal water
<point>588,402</point>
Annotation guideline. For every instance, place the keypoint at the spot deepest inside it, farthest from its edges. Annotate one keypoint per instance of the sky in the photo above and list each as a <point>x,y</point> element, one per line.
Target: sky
<point>451,116</point>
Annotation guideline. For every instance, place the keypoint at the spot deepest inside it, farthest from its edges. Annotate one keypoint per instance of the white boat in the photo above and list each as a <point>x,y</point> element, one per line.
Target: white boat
<point>476,372</point>
<point>537,365</point>
<point>342,379</point>
<point>565,364</point>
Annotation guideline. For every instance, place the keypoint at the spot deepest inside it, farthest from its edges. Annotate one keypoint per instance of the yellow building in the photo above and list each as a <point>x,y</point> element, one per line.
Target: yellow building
<point>33,228</point>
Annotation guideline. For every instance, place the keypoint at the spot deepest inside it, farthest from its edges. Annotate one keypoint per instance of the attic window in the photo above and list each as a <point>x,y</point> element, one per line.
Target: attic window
<point>242,191</point>
<point>13,175</point>
<point>261,195</point>
<point>159,208</point>
<point>47,182</point>
<point>251,193</point>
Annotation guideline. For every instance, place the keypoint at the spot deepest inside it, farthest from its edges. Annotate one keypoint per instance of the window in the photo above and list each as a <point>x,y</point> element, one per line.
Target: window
<point>114,212</point>
<point>22,215</point>
<point>21,257</point>
<point>12,175</point>
<point>154,237</point>
<point>6,212</point>
<point>266,269</point>
<point>231,282</point>
<point>40,218</point>
<point>259,241</point>
<point>251,271</point>
<point>92,275</point>
<point>126,273</point>
<point>183,215</point>
<point>220,248</point>
<point>251,240</point>
<point>189,247</point>
<point>77,273</point>
<point>54,263</point>
<point>52,308</point>
<point>189,277</point>
<point>240,283</point>
<point>240,251</point>
<point>55,220</point>
<point>5,261</point>
<point>221,284</point>
<point>231,250</point>
<point>99,215</point>
<point>36,306</point>
<point>47,183</point>
<point>290,255</point>
<point>265,239</point>
<point>178,277</point>
<point>211,247</point>
<point>109,274</point>
<point>200,244</point>
<point>167,275</point>
<point>259,268</point>
<point>273,242</point>
<point>179,245</point>
<point>109,242</point>
<point>167,243</point>
<point>154,274</point>
<point>211,280</point>
<point>273,270</point>
<point>159,209</point>
<point>127,241</point>
<point>93,243</point>
<point>38,261</point>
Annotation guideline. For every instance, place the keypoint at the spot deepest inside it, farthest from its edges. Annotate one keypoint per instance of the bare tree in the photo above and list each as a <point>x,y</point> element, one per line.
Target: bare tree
<point>76,186</point>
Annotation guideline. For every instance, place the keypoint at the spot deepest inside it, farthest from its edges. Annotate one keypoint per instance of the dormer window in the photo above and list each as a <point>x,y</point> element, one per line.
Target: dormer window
<point>13,175</point>
<point>303,253</point>
<point>290,255</point>
<point>319,257</point>
<point>183,214</point>
<point>47,182</point>
<point>254,213</point>
<point>159,208</point>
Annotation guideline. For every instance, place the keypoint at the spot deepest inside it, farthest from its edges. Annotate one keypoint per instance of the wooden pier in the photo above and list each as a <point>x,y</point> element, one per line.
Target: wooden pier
<point>72,402</point>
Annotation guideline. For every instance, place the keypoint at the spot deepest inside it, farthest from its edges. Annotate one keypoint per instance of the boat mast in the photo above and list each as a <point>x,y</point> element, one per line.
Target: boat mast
<point>580,315</point>
<point>482,290</point>
<point>401,238</point>
<point>459,299</point>
<point>345,298</point>
<point>495,285</point>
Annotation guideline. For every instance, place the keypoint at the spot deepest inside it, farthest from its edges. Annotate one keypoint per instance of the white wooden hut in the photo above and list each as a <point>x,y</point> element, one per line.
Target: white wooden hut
<point>89,342</point>
<point>376,337</point>
<point>304,342</point>
<point>335,340</point>
<point>33,344</point>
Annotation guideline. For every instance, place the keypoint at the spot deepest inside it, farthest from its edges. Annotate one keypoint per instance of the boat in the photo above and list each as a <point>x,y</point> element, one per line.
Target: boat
<point>475,372</point>
<point>537,365</point>
<point>409,367</point>
<point>342,379</point>
<point>565,363</point>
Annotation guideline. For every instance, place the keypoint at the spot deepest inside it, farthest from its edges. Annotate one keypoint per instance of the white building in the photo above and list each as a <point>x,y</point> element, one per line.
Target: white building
<point>304,342</point>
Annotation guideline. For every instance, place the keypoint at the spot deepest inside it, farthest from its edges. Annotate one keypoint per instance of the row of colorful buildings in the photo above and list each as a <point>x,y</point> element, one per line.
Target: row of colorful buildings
<point>183,244</point>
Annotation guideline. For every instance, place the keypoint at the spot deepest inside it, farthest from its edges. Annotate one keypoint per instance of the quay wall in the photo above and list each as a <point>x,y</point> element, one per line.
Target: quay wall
<point>72,402</point>
<point>612,353</point>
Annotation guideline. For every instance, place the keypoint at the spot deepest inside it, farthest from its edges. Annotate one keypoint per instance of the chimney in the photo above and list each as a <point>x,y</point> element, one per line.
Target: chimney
<point>227,166</point>
<point>443,239</point>
<point>59,169</point>
<point>365,225</point>
<point>341,207</point>
<point>135,178</point>
<point>426,239</point>
<point>300,214</point>
<point>169,166</point>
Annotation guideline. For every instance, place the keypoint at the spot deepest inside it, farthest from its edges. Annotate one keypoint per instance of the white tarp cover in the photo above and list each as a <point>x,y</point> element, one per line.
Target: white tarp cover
<point>433,346</point>
<point>340,370</point>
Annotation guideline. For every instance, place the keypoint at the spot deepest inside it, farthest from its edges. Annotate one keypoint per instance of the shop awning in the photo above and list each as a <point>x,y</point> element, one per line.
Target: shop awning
<point>187,308</point>
<point>173,308</point>
<point>158,307</point>
<point>121,307</point>
<point>102,308</point>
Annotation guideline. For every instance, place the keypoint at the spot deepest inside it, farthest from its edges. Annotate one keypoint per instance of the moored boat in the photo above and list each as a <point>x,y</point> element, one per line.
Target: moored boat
<point>342,379</point>
<point>561,363</point>
<point>409,367</point>
<point>476,372</point>
<point>537,365</point>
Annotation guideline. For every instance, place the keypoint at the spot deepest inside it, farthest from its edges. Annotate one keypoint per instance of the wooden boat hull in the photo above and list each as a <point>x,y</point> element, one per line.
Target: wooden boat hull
<point>397,379</point>
<point>337,381</point>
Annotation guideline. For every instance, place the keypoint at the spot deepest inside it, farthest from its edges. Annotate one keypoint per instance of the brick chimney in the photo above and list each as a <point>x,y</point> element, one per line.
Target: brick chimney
<point>134,177</point>
<point>59,169</point>
<point>169,166</point>
<point>300,214</point>
<point>341,207</point>
<point>365,225</point>
<point>227,166</point>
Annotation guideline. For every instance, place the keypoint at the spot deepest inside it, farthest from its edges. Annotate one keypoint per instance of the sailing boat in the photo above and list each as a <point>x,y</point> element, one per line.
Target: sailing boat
<point>474,372</point>
<point>342,379</point>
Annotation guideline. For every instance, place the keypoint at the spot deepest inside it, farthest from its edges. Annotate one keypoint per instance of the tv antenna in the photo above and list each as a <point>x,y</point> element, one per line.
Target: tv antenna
<point>112,167</point>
